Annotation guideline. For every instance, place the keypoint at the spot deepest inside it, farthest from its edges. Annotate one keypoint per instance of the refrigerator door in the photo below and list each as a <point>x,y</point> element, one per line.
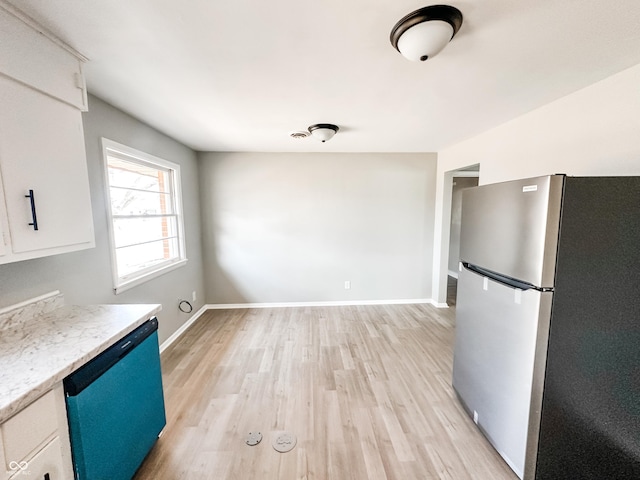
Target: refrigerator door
<point>590,426</point>
<point>497,370</point>
<point>512,228</point>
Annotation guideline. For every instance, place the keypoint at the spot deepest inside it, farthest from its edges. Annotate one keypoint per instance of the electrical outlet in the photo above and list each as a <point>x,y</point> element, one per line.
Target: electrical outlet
<point>193,296</point>
<point>347,284</point>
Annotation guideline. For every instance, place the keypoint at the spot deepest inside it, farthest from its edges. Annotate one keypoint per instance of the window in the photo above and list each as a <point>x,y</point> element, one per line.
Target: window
<point>145,213</point>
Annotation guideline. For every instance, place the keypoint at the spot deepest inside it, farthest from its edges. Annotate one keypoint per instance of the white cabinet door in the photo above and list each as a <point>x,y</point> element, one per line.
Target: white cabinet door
<point>42,150</point>
<point>34,58</point>
<point>3,248</point>
<point>46,464</point>
<point>4,227</point>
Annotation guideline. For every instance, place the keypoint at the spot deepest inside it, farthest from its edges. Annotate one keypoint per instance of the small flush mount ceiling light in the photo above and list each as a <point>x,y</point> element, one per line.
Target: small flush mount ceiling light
<point>323,131</point>
<point>299,134</point>
<point>425,32</point>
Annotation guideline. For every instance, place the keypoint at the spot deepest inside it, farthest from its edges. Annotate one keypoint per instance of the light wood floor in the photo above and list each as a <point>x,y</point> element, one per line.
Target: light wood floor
<point>366,390</point>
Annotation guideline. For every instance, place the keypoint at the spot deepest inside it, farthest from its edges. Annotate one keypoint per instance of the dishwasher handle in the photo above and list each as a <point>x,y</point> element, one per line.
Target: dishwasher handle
<point>126,348</point>
<point>84,376</point>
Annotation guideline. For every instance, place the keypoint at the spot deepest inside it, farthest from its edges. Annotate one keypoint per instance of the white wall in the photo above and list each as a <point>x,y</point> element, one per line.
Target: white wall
<point>595,131</point>
<point>85,277</point>
<point>284,227</point>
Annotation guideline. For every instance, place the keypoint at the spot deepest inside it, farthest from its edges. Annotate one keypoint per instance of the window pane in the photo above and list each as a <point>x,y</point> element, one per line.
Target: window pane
<point>136,202</point>
<point>129,231</point>
<point>146,223</point>
<point>132,175</point>
<point>138,257</point>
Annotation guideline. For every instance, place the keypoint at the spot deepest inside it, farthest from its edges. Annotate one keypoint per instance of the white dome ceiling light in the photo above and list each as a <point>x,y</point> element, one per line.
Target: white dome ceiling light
<point>323,131</point>
<point>424,33</point>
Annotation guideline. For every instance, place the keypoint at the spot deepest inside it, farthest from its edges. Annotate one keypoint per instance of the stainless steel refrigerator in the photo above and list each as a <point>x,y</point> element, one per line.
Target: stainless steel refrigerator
<point>547,347</point>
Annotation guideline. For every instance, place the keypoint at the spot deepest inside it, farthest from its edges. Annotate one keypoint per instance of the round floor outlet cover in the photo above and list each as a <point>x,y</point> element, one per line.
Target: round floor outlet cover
<point>254,438</point>
<point>284,442</point>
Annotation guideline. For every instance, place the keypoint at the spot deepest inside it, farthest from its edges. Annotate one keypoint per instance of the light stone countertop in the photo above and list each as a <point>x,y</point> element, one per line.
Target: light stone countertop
<point>38,352</point>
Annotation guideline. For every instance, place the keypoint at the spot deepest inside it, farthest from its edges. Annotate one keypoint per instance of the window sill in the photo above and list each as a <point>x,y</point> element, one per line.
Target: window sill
<point>148,276</point>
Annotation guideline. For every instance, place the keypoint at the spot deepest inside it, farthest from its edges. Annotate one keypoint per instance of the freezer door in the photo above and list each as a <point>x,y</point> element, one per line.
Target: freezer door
<point>512,228</point>
<point>500,347</point>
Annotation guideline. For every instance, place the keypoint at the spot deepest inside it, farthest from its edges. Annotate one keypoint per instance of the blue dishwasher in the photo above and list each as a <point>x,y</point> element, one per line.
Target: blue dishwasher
<point>115,407</point>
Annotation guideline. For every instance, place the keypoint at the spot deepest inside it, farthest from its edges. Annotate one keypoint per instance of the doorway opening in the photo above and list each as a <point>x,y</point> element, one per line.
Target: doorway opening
<point>460,179</point>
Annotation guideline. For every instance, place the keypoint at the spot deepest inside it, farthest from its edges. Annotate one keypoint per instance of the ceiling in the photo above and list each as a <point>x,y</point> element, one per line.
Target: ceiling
<point>240,75</point>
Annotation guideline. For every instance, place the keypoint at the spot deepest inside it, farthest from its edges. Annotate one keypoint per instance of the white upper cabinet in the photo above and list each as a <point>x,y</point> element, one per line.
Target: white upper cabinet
<point>4,226</point>
<point>3,248</point>
<point>46,207</point>
<point>40,61</point>
<point>43,163</point>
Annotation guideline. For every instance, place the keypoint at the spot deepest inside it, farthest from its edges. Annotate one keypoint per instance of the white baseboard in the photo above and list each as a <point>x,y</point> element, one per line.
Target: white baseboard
<point>182,329</point>
<point>222,306</point>
<point>232,306</point>
<point>440,305</point>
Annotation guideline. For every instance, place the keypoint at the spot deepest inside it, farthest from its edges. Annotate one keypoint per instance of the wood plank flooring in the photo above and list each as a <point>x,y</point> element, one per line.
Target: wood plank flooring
<point>366,390</point>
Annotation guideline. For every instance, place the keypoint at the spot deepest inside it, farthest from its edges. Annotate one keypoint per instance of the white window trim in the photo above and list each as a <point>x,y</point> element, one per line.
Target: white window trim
<point>121,284</point>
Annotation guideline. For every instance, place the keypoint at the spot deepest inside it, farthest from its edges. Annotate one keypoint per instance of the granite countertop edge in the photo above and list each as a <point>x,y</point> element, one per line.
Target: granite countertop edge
<point>40,353</point>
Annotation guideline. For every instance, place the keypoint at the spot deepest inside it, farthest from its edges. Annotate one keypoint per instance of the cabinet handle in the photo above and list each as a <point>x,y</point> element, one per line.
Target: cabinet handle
<point>34,224</point>
<point>46,476</point>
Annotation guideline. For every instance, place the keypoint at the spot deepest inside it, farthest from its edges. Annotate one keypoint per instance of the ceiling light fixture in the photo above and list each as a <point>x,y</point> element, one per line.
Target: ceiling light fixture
<point>323,131</point>
<point>425,32</point>
<point>299,134</point>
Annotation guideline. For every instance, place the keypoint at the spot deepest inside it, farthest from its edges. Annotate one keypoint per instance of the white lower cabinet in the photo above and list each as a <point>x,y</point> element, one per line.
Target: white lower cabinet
<point>47,464</point>
<point>35,441</point>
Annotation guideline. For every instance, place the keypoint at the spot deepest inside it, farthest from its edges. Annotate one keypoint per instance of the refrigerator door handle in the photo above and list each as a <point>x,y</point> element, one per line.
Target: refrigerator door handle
<point>503,279</point>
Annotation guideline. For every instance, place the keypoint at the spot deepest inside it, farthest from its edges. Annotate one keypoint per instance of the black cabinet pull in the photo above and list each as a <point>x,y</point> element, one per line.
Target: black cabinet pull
<point>46,476</point>
<point>34,224</point>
